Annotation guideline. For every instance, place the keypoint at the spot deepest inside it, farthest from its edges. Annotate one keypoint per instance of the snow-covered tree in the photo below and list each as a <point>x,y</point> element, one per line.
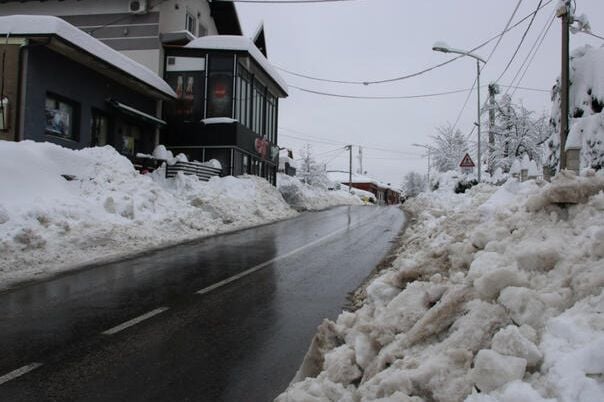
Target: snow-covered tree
<point>413,184</point>
<point>311,172</point>
<point>448,148</point>
<point>517,132</point>
<point>586,102</point>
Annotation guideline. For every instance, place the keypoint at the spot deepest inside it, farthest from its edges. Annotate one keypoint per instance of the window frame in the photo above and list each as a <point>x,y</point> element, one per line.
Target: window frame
<point>74,117</point>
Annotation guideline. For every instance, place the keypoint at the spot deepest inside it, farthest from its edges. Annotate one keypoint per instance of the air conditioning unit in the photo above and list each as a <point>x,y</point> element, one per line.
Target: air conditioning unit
<point>137,6</point>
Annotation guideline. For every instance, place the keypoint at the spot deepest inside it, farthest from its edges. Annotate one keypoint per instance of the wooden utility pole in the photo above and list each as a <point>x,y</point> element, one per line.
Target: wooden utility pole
<point>349,168</point>
<point>564,14</point>
<point>493,90</point>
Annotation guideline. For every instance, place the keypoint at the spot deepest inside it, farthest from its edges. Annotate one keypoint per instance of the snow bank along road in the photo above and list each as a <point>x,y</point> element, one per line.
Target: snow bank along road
<point>227,318</point>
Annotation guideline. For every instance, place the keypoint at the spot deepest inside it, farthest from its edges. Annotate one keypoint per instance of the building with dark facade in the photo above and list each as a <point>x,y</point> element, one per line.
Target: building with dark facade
<point>227,105</point>
<point>65,87</point>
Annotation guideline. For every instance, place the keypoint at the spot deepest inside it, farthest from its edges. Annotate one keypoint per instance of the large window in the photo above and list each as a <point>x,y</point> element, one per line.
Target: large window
<point>186,76</point>
<point>99,129</point>
<point>258,109</point>
<point>61,117</point>
<point>130,135</point>
<point>243,97</point>
<point>271,117</point>
<point>220,86</point>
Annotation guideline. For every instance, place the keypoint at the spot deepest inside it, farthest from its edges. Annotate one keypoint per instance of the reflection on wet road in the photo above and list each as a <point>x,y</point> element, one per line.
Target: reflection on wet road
<point>226,318</point>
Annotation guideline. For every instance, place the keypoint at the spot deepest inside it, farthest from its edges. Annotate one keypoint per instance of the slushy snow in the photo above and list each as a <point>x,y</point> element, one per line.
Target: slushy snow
<point>496,295</point>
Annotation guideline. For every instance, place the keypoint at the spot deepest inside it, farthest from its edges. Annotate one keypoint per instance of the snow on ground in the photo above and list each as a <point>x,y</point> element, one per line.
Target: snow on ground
<point>304,197</point>
<point>48,223</point>
<point>496,295</point>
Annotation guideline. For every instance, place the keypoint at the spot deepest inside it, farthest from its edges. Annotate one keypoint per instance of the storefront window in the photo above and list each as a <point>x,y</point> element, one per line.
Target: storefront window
<point>186,77</point>
<point>130,137</point>
<point>99,129</point>
<point>60,117</point>
<point>220,86</point>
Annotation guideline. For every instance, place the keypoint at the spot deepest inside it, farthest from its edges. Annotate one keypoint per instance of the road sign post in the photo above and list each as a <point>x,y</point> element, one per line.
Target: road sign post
<point>467,165</point>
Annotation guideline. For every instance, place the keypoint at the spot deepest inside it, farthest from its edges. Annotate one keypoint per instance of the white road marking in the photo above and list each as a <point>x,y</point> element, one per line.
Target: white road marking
<point>19,372</point>
<point>280,257</point>
<point>134,321</point>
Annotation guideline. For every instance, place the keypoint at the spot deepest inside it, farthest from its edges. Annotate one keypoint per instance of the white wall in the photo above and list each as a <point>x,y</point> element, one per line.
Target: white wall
<point>148,58</point>
<point>173,18</point>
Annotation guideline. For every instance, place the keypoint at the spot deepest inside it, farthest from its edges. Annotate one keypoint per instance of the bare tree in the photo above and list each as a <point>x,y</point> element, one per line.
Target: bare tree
<point>449,147</point>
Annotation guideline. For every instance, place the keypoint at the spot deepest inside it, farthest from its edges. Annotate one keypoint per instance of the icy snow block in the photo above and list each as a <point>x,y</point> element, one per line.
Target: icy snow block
<point>510,342</point>
<point>492,370</point>
<point>340,365</point>
<point>491,272</point>
<point>537,256</point>
<point>524,305</point>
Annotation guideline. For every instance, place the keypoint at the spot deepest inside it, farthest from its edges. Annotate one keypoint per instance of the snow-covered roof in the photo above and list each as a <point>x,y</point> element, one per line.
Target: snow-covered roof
<point>24,25</point>
<point>239,43</point>
<point>343,177</point>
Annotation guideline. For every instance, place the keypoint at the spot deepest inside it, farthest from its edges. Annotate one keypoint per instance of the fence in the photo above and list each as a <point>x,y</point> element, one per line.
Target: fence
<point>203,172</point>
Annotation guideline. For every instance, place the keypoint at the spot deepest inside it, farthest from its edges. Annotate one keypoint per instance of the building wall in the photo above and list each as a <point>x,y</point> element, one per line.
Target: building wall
<point>173,16</point>
<point>137,36</point>
<point>48,71</point>
<point>11,88</point>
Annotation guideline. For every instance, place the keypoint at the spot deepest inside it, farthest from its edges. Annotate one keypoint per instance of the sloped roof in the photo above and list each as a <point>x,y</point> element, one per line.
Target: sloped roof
<point>34,25</point>
<point>239,43</point>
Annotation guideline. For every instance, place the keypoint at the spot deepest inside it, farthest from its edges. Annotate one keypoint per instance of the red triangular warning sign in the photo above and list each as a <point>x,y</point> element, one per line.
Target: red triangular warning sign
<point>467,162</point>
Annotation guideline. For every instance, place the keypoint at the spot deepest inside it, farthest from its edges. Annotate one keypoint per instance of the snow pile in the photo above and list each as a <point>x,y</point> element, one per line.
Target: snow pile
<point>304,197</point>
<point>107,209</point>
<point>586,104</point>
<point>496,295</point>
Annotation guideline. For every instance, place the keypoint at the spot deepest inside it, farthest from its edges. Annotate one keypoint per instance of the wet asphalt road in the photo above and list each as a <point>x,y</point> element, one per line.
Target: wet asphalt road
<point>242,341</point>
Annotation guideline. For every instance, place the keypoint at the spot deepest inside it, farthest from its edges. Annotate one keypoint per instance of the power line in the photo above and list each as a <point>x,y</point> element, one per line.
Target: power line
<point>463,108</point>
<point>418,73</point>
<point>521,41</point>
<point>336,95</point>
<point>534,53</point>
<point>310,138</point>
<point>504,30</point>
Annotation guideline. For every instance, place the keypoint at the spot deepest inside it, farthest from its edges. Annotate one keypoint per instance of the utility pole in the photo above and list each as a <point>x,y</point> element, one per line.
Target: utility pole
<point>564,14</point>
<point>493,90</point>
<point>360,156</point>
<point>478,122</point>
<point>349,147</point>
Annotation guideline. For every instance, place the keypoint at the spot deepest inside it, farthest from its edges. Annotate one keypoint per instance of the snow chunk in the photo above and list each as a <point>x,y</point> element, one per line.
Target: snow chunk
<point>492,272</point>
<point>515,391</point>
<point>573,347</point>
<point>492,370</point>
<point>524,305</point>
<point>510,341</point>
<point>541,256</point>
<point>340,365</point>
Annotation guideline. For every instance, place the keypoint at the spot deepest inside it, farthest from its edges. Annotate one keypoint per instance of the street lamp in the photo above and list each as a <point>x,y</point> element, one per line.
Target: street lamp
<point>429,151</point>
<point>443,47</point>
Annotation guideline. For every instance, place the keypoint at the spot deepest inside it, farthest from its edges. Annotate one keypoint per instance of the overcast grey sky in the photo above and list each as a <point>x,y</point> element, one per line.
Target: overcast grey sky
<point>367,40</point>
